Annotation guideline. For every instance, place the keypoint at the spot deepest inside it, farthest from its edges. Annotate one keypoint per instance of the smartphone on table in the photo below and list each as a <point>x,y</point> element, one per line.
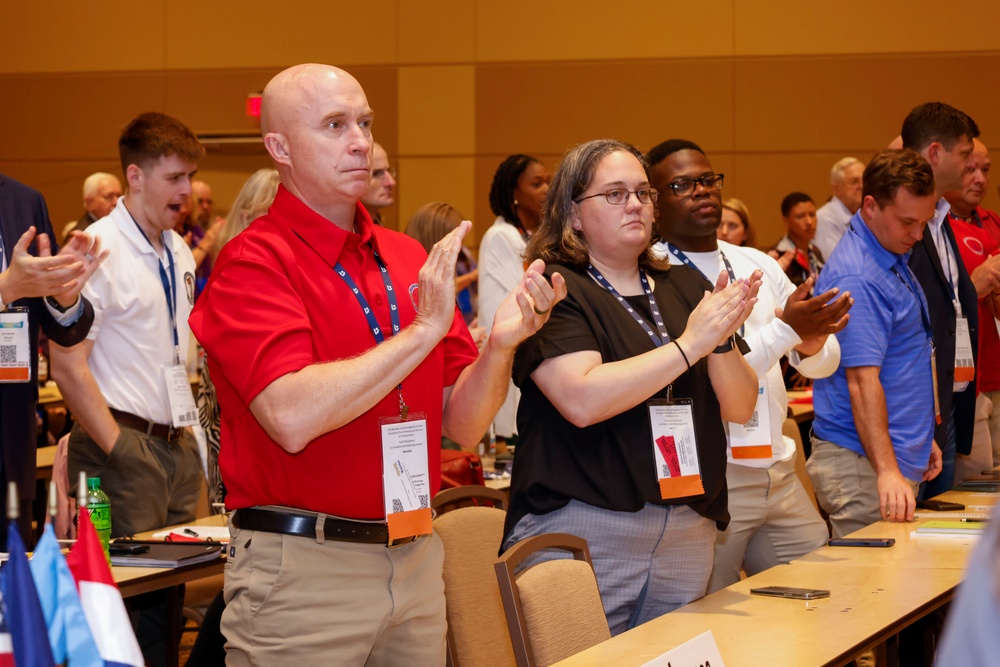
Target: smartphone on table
<point>791,592</point>
<point>862,542</point>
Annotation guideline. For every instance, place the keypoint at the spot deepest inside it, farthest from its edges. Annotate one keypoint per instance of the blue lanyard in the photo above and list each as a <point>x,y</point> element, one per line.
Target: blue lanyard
<point>924,317</point>
<point>663,337</point>
<point>404,409</point>
<point>168,284</point>
<point>686,261</point>
<point>373,324</point>
<point>363,302</point>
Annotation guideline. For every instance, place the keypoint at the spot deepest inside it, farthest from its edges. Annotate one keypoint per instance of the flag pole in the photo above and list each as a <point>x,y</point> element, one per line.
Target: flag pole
<point>12,501</point>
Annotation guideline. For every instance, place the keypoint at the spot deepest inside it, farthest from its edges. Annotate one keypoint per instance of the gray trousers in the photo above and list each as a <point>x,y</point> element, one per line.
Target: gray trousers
<point>151,483</point>
<point>647,563</point>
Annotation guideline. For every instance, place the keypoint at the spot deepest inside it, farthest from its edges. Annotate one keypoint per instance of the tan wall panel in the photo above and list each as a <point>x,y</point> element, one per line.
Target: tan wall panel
<point>215,100</point>
<point>787,27</point>
<point>821,103</point>
<point>437,31</point>
<point>425,180</point>
<point>594,30</point>
<point>257,33</point>
<point>548,108</point>
<point>81,36</point>
<point>436,106</point>
<point>73,117</point>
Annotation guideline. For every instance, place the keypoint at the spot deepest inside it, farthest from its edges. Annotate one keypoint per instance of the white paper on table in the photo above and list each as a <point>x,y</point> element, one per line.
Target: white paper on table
<point>702,650</point>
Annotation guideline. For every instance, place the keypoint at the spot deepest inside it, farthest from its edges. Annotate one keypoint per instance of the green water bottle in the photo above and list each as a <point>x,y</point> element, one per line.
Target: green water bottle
<point>99,507</point>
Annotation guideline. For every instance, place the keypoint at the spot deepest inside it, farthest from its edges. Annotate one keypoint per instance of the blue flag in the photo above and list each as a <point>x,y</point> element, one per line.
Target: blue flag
<point>24,612</point>
<point>69,632</point>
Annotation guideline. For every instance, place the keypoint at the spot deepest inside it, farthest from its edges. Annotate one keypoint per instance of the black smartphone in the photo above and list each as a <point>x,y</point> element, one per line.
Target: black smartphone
<point>790,592</point>
<point>939,506</point>
<point>127,549</point>
<point>862,542</point>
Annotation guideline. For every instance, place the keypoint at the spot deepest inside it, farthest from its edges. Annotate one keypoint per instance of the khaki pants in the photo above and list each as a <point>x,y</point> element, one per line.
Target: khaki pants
<point>151,483</point>
<point>981,457</point>
<point>773,522</point>
<point>846,486</point>
<point>293,601</point>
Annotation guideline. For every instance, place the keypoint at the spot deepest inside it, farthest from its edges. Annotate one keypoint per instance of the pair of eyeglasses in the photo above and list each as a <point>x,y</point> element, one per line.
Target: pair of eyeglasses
<point>686,186</point>
<point>380,173</point>
<point>619,196</point>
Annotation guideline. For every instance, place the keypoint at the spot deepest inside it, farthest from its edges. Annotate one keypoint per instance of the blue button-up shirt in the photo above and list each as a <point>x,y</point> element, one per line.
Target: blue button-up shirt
<point>889,328</point>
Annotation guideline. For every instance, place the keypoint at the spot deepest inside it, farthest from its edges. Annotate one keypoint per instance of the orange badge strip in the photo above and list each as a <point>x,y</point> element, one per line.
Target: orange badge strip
<point>680,487</point>
<point>408,524</point>
<point>15,374</point>
<point>752,452</point>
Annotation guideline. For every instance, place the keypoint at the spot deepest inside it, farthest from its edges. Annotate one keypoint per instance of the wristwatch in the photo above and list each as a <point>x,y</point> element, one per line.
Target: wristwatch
<point>728,346</point>
<point>55,304</point>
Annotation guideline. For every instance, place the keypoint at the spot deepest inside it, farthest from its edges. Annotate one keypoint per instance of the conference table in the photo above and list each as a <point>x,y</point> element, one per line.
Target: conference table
<point>875,593</point>
<point>138,580</point>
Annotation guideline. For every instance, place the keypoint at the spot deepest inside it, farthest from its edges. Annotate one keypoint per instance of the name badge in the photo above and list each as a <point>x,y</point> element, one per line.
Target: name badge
<point>15,346</point>
<point>934,383</point>
<point>965,367</point>
<point>753,439</point>
<point>675,449</point>
<point>406,481</point>
<point>183,411</point>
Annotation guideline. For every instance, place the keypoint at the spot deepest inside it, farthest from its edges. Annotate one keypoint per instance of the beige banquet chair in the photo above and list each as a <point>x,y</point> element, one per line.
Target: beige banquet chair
<point>554,608</point>
<point>477,631</point>
<point>790,428</point>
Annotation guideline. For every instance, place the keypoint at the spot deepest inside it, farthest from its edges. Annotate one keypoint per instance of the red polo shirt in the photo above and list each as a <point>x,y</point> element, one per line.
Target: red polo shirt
<point>991,222</point>
<point>975,245</point>
<point>274,305</point>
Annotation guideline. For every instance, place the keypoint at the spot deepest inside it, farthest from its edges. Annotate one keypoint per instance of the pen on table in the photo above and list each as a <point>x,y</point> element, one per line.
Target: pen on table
<point>188,531</point>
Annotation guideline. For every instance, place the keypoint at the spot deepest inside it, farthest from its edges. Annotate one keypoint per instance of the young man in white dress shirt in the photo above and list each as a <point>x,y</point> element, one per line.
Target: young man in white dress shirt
<point>773,520</point>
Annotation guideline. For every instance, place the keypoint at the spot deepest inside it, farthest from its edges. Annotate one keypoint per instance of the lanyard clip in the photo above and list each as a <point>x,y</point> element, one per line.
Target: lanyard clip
<point>404,409</point>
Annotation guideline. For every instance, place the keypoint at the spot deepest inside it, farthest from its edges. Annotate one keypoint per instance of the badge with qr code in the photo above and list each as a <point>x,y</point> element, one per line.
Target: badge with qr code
<point>15,346</point>
<point>752,440</point>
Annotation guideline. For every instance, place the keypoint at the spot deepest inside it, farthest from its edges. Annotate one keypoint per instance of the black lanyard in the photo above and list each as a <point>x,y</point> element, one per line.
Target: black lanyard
<point>684,259</point>
<point>168,282</point>
<point>663,337</point>
<point>945,257</point>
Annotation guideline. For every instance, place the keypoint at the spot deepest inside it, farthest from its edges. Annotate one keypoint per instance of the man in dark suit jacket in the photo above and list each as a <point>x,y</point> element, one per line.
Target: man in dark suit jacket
<point>63,314</point>
<point>944,135</point>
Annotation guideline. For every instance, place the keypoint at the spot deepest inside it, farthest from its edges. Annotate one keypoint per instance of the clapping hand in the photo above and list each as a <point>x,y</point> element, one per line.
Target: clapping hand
<point>527,307</point>
<point>816,318</point>
<point>61,276</point>
<point>720,313</point>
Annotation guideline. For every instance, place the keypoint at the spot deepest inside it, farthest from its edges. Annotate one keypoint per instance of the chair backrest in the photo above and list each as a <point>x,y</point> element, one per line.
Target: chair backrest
<point>477,630</point>
<point>553,608</point>
<point>790,428</point>
<point>464,496</point>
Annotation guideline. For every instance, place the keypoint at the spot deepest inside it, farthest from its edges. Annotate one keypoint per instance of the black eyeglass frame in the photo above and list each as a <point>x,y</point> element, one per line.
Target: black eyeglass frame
<point>686,186</point>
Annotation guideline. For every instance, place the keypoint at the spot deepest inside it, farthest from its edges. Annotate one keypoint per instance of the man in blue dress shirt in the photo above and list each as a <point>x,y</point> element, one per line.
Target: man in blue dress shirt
<point>873,439</point>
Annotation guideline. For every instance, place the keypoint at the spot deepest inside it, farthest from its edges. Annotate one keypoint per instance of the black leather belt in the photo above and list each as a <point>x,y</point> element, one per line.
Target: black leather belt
<point>150,428</point>
<point>315,527</point>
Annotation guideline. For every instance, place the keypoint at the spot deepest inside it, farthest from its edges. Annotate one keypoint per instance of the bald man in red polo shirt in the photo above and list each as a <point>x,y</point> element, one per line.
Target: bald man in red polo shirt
<point>339,362</point>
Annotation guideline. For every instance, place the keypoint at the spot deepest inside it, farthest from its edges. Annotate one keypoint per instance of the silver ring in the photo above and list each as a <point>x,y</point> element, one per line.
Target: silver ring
<point>90,258</point>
